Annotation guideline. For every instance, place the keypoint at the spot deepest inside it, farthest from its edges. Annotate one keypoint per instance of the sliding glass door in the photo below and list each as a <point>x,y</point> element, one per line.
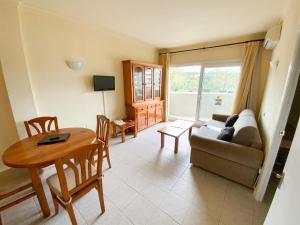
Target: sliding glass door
<point>217,90</point>
<point>197,92</point>
<point>184,86</point>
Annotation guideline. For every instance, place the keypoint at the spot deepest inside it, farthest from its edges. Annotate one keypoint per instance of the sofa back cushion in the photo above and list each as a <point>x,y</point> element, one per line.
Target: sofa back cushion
<point>246,131</point>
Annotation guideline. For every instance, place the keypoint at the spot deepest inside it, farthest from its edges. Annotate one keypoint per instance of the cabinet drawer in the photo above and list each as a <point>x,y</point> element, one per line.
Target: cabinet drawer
<point>159,104</point>
<point>141,110</point>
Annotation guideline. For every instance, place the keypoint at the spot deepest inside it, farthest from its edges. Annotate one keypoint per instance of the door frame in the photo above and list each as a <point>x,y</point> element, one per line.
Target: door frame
<point>210,65</point>
<point>285,108</point>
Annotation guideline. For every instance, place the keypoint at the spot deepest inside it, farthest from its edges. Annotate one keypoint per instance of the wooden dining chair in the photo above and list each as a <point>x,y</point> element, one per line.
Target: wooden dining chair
<point>102,131</point>
<point>77,175</point>
<point>15,187</point>
<point>41,124</point>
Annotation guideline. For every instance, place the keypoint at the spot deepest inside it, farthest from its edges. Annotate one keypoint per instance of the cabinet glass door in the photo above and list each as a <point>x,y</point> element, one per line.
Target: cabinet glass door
<point>148,83</point>
<point>157,82</point>
<point>138,83</point>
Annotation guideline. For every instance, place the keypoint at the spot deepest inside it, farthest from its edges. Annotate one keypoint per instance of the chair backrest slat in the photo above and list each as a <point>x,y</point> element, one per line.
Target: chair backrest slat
<point>41,124</point>
<point>81,163</point>
<point>72,166</point>
<point>102,129</point>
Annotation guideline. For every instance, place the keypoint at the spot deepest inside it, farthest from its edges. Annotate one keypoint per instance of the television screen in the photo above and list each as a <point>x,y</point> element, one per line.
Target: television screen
<point>104,83</point>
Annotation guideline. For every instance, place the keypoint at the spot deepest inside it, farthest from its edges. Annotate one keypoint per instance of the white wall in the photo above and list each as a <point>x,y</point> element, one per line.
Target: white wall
<point>8,130</point>
<point>14,65</point>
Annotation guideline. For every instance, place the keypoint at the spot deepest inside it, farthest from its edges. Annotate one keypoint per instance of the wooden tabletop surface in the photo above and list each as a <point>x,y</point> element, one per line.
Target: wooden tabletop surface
<point>176,128</point>
<point>27,153</point>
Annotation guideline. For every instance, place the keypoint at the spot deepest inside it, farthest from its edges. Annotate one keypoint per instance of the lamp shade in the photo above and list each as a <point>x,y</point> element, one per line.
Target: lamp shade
<point>74,65</point>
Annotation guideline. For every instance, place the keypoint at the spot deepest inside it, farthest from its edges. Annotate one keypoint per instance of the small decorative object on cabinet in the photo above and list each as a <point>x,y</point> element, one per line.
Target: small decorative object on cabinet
<point>143,93</point>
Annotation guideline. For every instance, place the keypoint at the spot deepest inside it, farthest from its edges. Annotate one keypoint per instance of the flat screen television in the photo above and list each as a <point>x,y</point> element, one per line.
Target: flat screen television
<point>104,83</point>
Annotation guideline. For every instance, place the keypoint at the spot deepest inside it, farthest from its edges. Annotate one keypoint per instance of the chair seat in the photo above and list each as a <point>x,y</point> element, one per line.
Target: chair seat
<point>53,181</point>
<point>12,179</point>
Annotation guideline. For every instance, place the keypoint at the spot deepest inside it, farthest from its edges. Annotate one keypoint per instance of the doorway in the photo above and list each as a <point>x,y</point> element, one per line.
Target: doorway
<point>287,135</point>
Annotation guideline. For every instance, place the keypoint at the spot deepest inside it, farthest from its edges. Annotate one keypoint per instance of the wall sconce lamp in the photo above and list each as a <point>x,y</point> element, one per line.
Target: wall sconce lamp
<point>74,65</point>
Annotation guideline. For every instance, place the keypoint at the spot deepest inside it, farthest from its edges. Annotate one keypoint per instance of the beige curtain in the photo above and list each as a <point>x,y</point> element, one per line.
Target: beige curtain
<point>164,60</point>
<point>247,91</point>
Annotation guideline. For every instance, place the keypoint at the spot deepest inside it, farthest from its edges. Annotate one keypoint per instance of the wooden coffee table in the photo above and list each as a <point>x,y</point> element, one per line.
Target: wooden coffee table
<point>175,129</point>
<point>123,127</point>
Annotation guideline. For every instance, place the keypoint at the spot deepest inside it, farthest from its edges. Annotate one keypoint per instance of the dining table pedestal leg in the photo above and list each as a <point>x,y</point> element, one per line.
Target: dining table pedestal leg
<point>38,187</point>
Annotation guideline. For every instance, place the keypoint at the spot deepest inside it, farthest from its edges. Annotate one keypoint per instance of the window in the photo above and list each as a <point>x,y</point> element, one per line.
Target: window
<point>184,85</point>
<point>196,92</point>
<point>185,79</point>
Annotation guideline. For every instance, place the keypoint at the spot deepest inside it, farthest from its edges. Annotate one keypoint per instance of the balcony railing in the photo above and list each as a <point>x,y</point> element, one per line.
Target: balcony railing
<point>184,104</point>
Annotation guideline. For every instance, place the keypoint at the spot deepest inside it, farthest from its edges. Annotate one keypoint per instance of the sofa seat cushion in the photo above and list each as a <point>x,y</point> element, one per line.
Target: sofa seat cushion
<point>205,132</point>
<point>215,123</point>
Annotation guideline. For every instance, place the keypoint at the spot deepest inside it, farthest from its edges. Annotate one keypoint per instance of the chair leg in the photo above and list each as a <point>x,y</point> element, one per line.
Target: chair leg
<point>55,202</point>
<point>71,213</point>
<point>100,194</point>
<point>107,157</point>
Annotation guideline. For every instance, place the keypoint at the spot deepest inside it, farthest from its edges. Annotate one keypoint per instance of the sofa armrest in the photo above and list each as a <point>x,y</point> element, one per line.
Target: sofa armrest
<point>227,150</point>
<point>220,117</point>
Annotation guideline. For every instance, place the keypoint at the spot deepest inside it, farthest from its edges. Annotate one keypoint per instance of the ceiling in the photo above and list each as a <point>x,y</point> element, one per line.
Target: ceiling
<point>170,23</point>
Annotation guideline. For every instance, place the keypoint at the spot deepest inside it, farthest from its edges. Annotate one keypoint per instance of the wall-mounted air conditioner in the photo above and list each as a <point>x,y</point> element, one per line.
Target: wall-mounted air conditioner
<point>272,36</point>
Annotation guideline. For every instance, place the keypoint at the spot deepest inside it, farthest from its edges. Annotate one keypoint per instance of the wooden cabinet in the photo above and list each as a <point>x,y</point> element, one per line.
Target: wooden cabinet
<point>143,93</point>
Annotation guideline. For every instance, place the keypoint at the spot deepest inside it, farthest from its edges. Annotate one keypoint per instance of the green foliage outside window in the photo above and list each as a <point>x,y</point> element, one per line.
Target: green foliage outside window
<point>221,80</point>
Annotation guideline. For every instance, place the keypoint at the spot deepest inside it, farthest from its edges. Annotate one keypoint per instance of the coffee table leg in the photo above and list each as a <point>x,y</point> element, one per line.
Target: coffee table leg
<point>176,145</point>
<point>162,140</point>
<point>190,132</point>
<point>38,187</point>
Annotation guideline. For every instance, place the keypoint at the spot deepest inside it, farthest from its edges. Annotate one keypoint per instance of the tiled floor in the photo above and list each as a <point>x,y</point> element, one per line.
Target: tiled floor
<point>150,186</point>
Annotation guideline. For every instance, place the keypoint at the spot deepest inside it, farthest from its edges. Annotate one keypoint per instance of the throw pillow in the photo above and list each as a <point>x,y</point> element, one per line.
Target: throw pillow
<point>226,134</point>
<point>231,120</point>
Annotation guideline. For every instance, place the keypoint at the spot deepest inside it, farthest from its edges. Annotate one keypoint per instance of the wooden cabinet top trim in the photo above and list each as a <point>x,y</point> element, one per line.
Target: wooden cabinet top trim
<point>141,63</point>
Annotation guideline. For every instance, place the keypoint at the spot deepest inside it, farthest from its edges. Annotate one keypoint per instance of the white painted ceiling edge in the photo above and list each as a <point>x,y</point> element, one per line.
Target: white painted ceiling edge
<point>170,23</point>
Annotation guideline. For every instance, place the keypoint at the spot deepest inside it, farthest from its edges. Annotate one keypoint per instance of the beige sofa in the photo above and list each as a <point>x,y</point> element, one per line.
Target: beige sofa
<point>238,160</point>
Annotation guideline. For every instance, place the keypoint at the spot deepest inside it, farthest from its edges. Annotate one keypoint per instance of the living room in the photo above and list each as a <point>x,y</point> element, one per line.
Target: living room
<point>50,52</point>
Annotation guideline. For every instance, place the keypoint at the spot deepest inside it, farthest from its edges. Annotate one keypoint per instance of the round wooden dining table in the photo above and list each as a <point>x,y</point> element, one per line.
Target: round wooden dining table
<point>28,154</point>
